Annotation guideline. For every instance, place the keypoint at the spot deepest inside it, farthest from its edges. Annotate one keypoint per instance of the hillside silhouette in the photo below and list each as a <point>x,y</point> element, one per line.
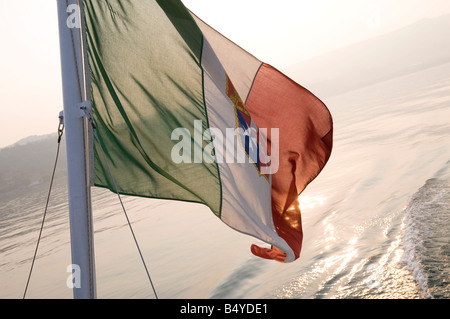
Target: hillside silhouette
<point>413,48</point>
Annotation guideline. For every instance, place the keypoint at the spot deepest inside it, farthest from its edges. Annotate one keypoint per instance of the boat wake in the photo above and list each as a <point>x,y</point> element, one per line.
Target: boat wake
<point>426,240</point>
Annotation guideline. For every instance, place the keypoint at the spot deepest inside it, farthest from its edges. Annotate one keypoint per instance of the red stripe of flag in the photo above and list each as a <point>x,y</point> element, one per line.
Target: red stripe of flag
<point>305,142</point>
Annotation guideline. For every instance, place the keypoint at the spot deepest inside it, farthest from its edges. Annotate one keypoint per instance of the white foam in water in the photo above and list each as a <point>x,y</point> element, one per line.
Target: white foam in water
<point>426,223</point>
<point>413,249</point>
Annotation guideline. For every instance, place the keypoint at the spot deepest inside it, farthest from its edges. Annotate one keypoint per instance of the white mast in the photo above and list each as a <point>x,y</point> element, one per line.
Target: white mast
<point>77,144</point>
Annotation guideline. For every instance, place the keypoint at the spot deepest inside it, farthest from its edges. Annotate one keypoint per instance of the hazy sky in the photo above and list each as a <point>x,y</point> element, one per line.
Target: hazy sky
<point>279,32</point>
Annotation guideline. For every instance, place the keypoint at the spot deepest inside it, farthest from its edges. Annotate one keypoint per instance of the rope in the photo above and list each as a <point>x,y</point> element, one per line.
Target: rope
<point>124,210</point>
<point>60,133</point>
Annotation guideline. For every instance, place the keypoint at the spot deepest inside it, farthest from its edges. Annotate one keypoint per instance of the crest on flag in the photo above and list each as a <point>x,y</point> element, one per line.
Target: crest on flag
<point>246,129</point>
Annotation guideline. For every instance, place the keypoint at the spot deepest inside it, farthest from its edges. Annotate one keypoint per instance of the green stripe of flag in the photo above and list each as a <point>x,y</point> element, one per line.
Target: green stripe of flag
<point>147,80</point>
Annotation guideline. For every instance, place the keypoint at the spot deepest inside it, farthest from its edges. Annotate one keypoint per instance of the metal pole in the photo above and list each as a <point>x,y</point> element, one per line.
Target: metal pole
<point>81,230</point>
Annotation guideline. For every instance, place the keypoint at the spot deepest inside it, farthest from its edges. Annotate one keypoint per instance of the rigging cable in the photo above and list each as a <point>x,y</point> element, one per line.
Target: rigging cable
<point>60,134</point>
<point>123,207</point>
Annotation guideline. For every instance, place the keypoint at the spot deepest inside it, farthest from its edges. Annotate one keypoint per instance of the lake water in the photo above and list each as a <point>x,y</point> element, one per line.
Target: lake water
<point>376,221</point>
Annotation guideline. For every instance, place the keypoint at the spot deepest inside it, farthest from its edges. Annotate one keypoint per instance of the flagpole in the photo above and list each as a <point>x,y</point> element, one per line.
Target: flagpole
<point>77,149</point>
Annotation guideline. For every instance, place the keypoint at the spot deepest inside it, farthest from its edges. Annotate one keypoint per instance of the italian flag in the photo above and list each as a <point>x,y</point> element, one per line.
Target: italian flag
<point>183,113</point>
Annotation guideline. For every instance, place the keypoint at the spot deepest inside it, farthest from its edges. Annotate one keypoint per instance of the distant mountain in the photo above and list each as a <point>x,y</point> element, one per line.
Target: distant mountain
<point>30,139</point>
<point>29,163</point>
<point>416,47</point>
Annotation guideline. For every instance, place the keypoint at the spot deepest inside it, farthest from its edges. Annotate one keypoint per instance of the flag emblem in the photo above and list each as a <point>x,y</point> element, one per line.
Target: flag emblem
<point>247,131</point>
